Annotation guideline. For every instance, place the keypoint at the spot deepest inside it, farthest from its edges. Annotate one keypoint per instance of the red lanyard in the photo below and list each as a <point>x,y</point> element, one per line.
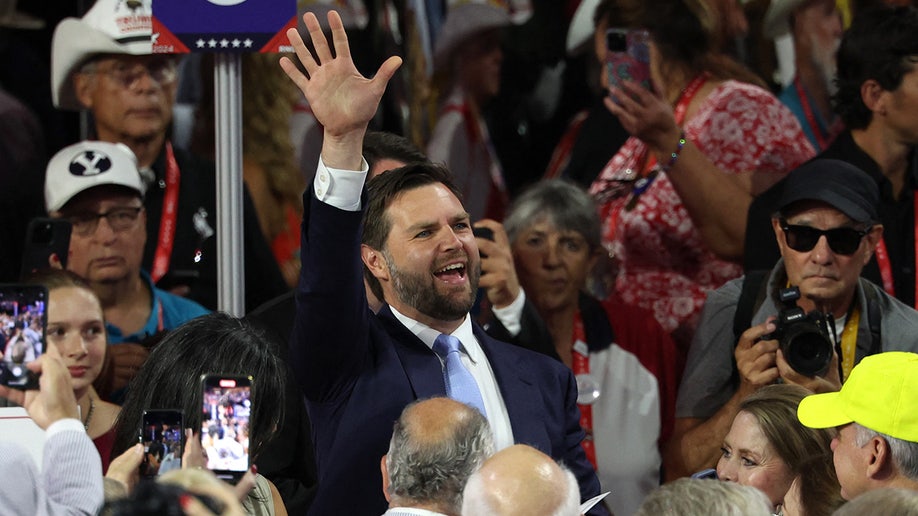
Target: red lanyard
<point>885,263</point>
<point>821,136</point>
<point>647,163</point>
<point>167,220</point>
<point>581,365</point>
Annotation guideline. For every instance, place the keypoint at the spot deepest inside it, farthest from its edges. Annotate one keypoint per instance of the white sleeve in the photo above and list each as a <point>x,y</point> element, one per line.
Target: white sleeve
<point>340,188</point>
<point>511,314</point>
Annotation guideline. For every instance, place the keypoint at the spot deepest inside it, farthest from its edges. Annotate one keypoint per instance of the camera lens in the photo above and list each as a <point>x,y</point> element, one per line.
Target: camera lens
<point>806,349</point>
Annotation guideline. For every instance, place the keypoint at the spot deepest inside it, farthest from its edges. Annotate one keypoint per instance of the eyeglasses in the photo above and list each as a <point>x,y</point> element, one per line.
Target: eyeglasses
<point>162,72</point>
<point>844,241</point>
<point>119,219</point>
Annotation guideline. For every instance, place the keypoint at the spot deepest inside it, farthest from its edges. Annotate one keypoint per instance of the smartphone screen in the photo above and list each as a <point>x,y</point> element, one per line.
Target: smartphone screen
<point>23,319</point>
<point>161,433</point>
<point>225,414</point>
<point>628,57</point>
<point>45,237</point>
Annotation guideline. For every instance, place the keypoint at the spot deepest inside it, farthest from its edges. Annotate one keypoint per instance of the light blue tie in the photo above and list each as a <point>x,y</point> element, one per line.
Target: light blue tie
<point>460,384</point>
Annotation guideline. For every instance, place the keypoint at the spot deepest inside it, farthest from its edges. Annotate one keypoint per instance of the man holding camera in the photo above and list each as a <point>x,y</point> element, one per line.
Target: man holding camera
<point>826,229</point>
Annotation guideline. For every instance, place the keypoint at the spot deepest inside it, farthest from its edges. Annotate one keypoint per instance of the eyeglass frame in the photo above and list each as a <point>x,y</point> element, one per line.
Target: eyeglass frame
<point>91,220</point>
<point>828,233</point>
<point>130,76</point>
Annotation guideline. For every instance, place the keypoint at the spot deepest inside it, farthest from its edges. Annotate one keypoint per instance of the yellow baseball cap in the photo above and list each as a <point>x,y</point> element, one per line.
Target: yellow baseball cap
<point>881,394</point>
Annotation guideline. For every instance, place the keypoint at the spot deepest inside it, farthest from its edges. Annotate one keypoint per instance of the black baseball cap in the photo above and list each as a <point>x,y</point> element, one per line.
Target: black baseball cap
<point>837,183</point>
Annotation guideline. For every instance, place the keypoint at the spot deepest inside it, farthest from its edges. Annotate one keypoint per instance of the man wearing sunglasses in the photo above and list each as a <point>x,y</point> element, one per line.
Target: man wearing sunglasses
<point>826,229</point>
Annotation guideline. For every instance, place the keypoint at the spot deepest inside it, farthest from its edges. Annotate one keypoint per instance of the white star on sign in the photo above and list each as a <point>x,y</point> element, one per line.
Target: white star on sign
<point>236,43</point>
<point>248,43</point>
<point>224,43</point>
<point>199,43</point>
<point>212,43</point>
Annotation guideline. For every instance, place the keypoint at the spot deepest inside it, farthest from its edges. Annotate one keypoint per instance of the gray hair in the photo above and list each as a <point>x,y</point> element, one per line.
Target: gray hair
<point>888,501</point>
<point>701,497</point>
<point>436,470</point>
<point>904,453</point>
<point>563,204</point>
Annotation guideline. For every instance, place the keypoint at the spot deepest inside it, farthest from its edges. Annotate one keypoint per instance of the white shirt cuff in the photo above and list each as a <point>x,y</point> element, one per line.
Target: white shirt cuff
<point>340,188</point>
<point>511,314</point>
<point>65,425</point>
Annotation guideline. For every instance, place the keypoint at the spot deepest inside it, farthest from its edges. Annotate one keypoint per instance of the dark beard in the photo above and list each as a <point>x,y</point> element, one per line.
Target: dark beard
<point>420,292</point>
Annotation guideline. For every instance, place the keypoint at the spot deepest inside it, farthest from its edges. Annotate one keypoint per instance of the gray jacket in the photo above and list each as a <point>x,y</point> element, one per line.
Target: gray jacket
<point>707,382</point>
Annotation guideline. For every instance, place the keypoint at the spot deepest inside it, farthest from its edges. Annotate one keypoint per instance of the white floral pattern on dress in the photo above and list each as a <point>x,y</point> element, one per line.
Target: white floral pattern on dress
<point>662,263</point>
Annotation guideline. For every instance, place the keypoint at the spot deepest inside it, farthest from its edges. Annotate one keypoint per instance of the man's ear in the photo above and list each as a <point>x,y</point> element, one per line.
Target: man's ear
<point>385,477</point>
<point>879,459</point>
<point>873,96</point>
<point>83,86</point>
<point>872,240</point>
<point>779,235</point>
<point>375,262</point>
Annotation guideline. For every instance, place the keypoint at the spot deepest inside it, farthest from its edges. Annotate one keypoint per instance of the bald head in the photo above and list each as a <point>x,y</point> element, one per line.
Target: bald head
<point>521,480</point>
<point>436,444</point>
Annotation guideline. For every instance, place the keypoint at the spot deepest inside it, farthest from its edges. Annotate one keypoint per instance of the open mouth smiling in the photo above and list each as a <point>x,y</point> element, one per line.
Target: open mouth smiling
<point>453,273</point>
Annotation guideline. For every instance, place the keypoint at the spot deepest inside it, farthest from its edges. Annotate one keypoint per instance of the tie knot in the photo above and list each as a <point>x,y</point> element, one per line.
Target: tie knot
<point>445,344</point>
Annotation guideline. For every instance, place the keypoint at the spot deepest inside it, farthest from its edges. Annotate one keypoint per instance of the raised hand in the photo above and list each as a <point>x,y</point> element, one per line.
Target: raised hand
<point>341,99</point>
<point>645,116</point>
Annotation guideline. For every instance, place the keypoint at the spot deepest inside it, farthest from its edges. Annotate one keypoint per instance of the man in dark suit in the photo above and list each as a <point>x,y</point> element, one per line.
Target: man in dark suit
<point>359,370</point>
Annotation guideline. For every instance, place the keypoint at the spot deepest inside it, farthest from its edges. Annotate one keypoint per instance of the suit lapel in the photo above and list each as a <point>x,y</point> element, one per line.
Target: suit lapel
<point>420,363</point>
<point>516,386</point>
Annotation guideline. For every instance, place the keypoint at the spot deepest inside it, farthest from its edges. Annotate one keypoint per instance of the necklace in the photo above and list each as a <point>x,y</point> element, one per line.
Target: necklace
<point>92,408</point>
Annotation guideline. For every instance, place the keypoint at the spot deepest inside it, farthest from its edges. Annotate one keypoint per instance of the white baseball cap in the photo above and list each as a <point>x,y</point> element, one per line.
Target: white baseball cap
<point>109,27</point>
<point>88,164</point>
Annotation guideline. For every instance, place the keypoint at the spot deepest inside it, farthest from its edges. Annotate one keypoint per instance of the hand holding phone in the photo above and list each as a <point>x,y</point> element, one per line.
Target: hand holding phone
<point>47,245</point>
<point>226,411</point>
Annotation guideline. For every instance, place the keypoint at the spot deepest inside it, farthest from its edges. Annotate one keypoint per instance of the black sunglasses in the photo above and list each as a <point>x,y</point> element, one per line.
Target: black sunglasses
<point>844,241</point>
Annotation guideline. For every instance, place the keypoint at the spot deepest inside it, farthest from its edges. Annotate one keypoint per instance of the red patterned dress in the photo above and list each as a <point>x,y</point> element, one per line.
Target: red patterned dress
<point>661,262</point>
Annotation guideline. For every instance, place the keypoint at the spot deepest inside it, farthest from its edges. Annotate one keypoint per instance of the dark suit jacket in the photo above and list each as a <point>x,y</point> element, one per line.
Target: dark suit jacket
<point>359,370</point>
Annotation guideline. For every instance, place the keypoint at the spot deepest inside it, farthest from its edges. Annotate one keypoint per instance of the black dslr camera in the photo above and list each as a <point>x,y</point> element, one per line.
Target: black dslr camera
<point>804,338</point>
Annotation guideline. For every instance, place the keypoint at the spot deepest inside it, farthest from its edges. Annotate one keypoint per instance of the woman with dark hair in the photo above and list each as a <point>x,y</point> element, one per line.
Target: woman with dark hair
<point>170,378</point>
<point>768,448</point>
<point>704,141</point>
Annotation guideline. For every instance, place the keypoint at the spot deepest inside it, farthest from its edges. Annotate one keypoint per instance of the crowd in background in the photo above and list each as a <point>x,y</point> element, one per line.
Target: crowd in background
<point>642,238</point>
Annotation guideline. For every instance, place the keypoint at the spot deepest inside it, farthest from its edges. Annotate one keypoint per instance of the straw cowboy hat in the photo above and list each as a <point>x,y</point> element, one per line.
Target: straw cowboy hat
<point>110,27</point>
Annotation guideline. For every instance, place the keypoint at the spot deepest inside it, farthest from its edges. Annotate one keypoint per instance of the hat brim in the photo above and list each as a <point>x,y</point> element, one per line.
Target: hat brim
<point>822,411</point>
<point>462,22</point>
<point>582,27</point>
<point>776,22</point>
<point>74,41</point>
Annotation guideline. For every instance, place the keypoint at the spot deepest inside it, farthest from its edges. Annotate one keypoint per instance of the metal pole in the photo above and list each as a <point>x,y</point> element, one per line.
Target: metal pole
<point>228,110</point>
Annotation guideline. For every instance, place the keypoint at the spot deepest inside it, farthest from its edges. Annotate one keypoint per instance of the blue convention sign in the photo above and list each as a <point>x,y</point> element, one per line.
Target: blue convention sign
<point>243,26</point>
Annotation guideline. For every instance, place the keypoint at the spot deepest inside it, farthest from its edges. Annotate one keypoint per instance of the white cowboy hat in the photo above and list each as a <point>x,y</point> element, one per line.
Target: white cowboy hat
<point>110,27</point>
<point>462,21</point>
<point>777,17</point>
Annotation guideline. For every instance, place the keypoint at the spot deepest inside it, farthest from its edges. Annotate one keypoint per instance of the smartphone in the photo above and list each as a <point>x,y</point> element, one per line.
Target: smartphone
<point>23,320</point>
<point>225,413</point>
<point>485,233</point>
<point>627,57</point>
<point>161,433</point>
<point>45,237</point>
